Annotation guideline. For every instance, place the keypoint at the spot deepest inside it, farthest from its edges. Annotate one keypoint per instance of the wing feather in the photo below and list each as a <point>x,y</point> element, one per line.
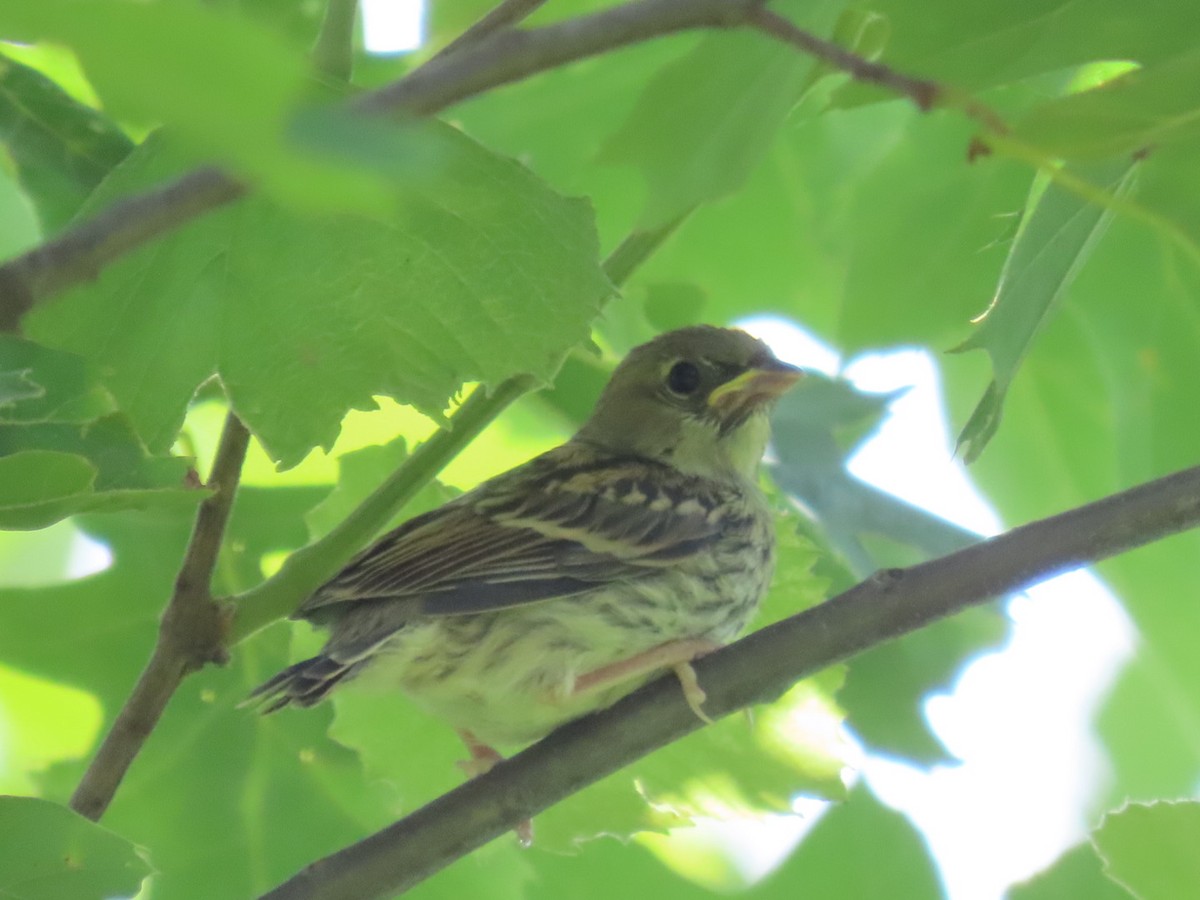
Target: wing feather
<point>559,525</point>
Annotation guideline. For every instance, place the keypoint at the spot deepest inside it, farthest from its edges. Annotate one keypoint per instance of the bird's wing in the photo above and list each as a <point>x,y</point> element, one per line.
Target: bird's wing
<point>559,525</point>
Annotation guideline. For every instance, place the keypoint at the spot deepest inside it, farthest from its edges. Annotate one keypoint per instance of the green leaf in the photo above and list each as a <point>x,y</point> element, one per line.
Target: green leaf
<point>265,796</point>
<point>362,471</point>
<point>18,222</point>
<point>816,427</point>
<point>66,392</point>
<point>60,148</point>
<point>1098,405</point>
<point>1055,240</point>
<point>16,386</point>
<point>38,487</point>
<point>483,273</point>
<point>978,44</point>
<point>1077,873</point>
<point>858,848</point>
<point>707,120</point>
<point>153,63</point>
<point>48,852</point>
<point>1138,111</point>
<point>1151,848</point>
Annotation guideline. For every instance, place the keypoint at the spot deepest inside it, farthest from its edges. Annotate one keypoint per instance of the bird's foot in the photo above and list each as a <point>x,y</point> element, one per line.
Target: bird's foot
<point>483,759</point>
<point>676,655</point>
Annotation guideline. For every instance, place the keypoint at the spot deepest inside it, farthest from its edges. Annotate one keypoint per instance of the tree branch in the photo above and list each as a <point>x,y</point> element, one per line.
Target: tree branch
<point>756,669</point>
<point>191,634</point>
<point>506,15</point>
<point>502,57</point>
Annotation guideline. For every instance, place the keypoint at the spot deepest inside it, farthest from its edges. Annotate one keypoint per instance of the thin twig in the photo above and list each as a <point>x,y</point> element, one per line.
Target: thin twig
<point>191,634</point>
<point>922,92</point>
<point>506,15</point>
<point>503,57</point>
<point>757,669</point>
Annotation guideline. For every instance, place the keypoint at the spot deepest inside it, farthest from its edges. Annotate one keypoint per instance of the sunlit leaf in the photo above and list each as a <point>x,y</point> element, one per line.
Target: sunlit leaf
<point>484,273</point>
<point>1148,848</point>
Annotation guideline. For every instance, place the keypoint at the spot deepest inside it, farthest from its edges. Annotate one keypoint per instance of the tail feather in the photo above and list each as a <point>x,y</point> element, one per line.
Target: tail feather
<point>304,684</point>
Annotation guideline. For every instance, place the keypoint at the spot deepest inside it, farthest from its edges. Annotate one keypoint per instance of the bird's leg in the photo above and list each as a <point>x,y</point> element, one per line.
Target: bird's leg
<point>483,759</point>
<point>676,655</point>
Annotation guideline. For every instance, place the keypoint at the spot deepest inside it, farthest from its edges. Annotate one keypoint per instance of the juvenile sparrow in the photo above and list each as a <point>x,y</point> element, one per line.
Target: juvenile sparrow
<point>563,584</point>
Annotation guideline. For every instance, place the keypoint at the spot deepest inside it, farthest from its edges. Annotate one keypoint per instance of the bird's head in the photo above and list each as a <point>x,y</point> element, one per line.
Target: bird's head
<point>696,398</point>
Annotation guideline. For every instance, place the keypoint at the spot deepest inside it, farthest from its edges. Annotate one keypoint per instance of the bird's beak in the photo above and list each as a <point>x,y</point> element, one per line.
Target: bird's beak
<point>753,388</point>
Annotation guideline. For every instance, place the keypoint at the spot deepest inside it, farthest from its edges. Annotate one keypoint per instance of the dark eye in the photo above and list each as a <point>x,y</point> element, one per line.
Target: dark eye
<point>684,378</point>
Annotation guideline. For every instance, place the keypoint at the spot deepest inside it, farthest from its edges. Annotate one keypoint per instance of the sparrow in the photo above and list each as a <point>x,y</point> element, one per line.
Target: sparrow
<point>558,587</point>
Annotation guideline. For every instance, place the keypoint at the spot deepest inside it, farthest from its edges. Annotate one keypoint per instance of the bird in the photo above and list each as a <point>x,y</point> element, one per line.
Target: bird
<point>559,586</point>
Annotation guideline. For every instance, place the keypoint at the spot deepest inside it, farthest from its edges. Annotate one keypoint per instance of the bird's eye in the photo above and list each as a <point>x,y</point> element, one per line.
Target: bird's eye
<point>684,378</point>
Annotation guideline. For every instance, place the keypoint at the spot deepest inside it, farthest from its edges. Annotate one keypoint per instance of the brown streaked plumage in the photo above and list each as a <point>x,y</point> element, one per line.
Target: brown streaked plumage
<point>559,586</point>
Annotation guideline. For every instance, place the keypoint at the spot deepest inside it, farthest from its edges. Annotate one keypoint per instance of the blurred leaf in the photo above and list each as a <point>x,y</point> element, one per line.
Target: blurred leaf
<point>16,386</point>
<point>1137,111</point>
<point>66,392</point>
<point>18,222</point>
<point>706,121</point>
<point>816,427</point>
<point>1077,873</point>
<point>887,686</point>
<point>1055,240</point>
<point>359,473</point>
<point>1150,849</point>
<point>978,44</point>
<point>152,63</point>
<point>264,796</point>
<point>40,487</point>
<point>484,273</point>
<point>59,147</point>
<point>858,848</point>
<point>48,852</point>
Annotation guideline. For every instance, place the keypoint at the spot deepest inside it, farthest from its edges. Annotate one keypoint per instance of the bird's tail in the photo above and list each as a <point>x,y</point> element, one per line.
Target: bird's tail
<point>305,683</point>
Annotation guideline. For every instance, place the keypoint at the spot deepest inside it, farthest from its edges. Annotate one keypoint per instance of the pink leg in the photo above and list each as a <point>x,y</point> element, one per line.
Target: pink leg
<point>676,655</point>
<point>483,759</point>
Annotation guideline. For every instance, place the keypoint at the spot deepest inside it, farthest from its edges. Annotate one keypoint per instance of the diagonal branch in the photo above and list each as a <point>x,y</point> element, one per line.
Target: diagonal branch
<point>759,668</point>
<point>192,633</point>
<point>508,14</point>
<point>502,56</point>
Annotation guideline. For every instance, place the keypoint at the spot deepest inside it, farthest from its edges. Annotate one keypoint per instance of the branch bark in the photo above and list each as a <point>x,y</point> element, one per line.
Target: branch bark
<point>756,669</point>
<point>502,56</point>
<point>192,633</point>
